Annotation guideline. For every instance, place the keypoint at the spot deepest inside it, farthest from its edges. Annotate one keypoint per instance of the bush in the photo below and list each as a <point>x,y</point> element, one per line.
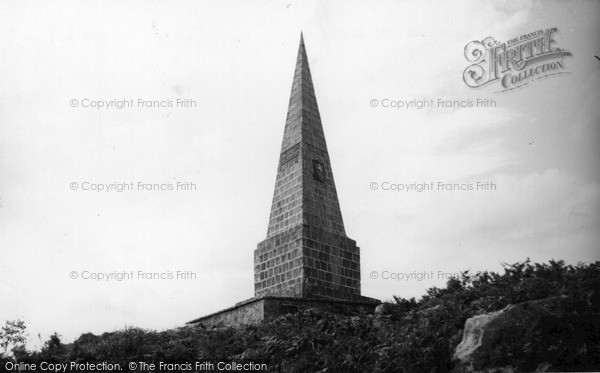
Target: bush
<point>414,336</point>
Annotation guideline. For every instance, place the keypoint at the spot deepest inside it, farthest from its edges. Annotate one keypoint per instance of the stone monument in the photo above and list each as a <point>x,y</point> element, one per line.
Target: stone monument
<point>306,260</point>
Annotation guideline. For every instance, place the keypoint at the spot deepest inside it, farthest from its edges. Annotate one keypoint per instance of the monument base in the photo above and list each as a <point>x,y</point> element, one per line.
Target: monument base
<point>265,308</point>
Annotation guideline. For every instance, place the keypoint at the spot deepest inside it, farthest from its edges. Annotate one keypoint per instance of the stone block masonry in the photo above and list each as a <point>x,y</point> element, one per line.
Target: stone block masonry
<point>306,260</point>
<point>257,310</point>
<point>306,252</point>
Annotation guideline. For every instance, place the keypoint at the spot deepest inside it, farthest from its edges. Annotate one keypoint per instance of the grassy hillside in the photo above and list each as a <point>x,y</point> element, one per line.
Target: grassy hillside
<point>405,335</point>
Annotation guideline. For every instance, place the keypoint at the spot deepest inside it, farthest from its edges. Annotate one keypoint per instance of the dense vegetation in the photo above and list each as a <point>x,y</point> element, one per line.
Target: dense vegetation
<point>407,335</point>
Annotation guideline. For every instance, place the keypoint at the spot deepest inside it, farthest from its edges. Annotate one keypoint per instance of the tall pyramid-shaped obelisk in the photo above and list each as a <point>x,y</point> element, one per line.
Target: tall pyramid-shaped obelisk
<point>306,253</point>
<point>306,260</point>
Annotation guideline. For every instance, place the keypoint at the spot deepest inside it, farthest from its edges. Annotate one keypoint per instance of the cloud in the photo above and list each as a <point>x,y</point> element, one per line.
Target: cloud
<point>538,206</point>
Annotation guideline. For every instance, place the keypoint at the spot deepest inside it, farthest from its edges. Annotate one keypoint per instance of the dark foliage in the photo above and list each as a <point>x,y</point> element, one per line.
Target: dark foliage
<point>410,336</point>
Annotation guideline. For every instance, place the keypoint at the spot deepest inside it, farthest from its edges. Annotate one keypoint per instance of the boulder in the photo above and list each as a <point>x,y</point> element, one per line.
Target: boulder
<point>473,334</point>
<point>536,335</point>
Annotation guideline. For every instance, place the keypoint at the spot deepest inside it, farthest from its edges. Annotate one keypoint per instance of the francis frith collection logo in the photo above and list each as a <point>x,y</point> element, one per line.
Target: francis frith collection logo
<point>516,62</point>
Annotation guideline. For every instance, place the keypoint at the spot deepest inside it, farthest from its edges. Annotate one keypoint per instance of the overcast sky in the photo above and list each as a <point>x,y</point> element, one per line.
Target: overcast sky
<point>539,146</point>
